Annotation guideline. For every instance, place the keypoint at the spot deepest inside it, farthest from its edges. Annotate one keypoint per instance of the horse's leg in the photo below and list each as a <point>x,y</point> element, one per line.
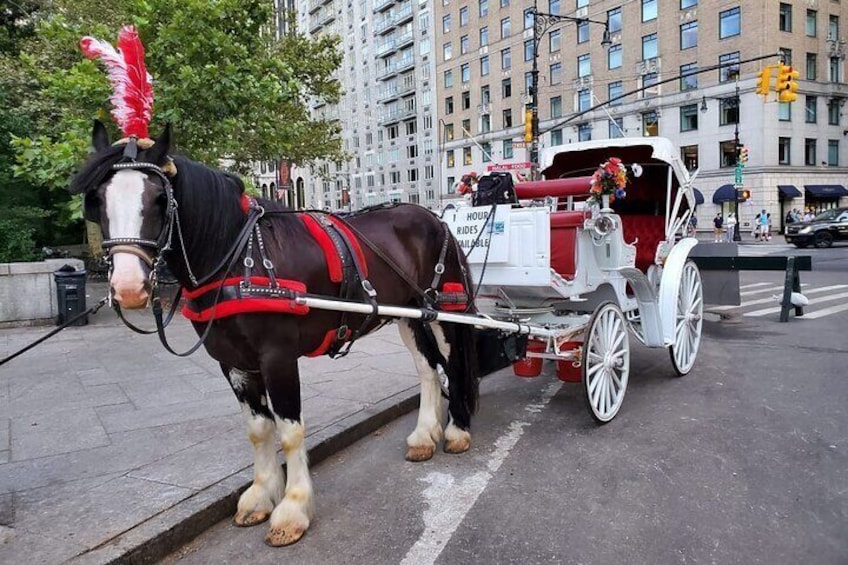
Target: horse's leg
<point>291,517</point>
<point>257,502</point>
<point>457,345</point>
<point>428,430</point>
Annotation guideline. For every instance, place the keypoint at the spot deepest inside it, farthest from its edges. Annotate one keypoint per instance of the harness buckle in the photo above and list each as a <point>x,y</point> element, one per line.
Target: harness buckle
<point>369,290</point>
<point>439,268</point>
<point>267,264</point>
<point>248,262</point>
<point>341,333</point>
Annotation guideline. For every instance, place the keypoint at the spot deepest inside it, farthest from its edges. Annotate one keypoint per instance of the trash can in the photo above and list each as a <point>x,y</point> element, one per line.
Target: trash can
<point>70,294</point>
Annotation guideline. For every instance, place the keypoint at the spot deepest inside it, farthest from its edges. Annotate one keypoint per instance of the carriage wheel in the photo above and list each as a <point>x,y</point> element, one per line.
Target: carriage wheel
<point>689,321</point>
<point>606,362</point>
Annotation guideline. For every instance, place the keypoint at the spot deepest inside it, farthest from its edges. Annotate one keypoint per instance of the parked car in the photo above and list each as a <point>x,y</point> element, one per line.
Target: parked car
<point>821,231</point>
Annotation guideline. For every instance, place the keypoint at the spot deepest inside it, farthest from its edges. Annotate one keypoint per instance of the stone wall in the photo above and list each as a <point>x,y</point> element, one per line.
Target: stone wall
<point>28,291</point>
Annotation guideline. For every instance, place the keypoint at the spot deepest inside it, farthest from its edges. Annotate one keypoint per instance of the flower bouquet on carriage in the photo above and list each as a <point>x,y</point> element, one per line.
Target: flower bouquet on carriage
<point>608,183</point>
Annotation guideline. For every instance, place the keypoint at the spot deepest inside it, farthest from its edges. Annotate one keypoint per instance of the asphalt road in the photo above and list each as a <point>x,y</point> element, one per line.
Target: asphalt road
<point>745,460</point>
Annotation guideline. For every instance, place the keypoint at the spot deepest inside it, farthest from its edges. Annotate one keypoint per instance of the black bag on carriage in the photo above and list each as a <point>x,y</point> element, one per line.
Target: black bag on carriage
<point>495,188</point>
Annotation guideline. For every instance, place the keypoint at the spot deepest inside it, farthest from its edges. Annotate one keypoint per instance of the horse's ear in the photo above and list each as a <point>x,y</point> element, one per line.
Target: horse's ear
<point>99,136</point>
<point>159,152</point>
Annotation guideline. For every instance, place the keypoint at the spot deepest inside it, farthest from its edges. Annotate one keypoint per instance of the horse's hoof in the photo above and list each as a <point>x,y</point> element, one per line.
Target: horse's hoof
<point>460,445</point>
<point>420,453</point>
<point>286,535</point>
<point>247,519</point>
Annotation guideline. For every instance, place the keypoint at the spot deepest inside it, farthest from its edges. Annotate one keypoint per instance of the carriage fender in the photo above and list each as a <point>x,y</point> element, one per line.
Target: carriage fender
<point>670,285</point>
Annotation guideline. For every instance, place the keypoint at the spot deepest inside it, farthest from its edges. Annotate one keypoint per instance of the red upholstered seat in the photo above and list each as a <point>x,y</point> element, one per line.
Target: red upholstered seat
<point>564,242</point>
<point>649,230</point>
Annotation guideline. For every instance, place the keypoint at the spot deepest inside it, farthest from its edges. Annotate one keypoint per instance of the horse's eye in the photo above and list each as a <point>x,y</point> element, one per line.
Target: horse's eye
<point>162,199</point>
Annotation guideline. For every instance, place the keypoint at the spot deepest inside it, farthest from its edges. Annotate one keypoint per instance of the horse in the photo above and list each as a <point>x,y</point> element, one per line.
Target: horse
<point>191,218</point>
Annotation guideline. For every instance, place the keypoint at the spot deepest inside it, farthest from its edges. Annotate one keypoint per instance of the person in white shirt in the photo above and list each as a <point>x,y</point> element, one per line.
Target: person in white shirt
<point>731,227</point>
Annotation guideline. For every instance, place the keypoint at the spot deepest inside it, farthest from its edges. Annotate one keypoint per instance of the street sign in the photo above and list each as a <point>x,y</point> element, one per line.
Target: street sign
<point>519,144</point>
<point>508,167</point>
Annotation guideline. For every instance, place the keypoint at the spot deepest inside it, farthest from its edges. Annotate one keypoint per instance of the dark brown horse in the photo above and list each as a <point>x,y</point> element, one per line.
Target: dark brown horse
<point>194,218</point>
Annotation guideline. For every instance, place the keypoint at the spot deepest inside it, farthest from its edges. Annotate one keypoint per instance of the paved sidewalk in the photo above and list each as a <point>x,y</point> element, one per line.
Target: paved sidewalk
<point>111,448</point>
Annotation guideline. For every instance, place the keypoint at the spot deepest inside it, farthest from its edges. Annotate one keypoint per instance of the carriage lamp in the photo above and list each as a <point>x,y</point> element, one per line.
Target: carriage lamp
<point>603,225</point>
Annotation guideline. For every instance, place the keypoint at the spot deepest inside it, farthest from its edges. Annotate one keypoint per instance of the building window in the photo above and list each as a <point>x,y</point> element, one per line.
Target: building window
<point>783,153</point>
<point>466,100</point>
<point>616,128</point>
<point>785,17</point>
<point>833,106</point>
<point>451,159</point>
<point>555,41</point>
<point>688,80</point>
<point>528,50</point>
<point>810,152</point>
<point>730,67</point>
<point>584,65</point>
<point>447,51</point>
<point>504,28</point>
<point>582,32</point>
<point>449,105</point>
<point>485,123</point>
<point>649,80</point>
<point>556,107</point>
<point>784,111</point>
<point>786,55</point>
<point>463,16</point>
<point>689,154</point>
<point>650,124</point>
<point>833,70</point>
<point>553,6</point>
<point>484,66</point>
<point>833,27</point>
<point>584,100</point>
<point>463,45</point>
<point>504,3</point>
<point>529,19</point>
<point>448,79</point>
<point>507,149</point>
<point>688,4</point>
<point>729,23</point>
<point>614,19</point>
<point>556,74</point>
<point>727,151</point>
<point>556,137</point>
<point>449,132</point>
<point>485,94</point>
<point>466,156</point>
<point>466,128</point>
<point>528,81</point>
<point>812,62</point>
<point>614,57</point>
<point>584,132</point>
<point>649,10</point>
<point>649,46</point>
<point>614,90</point>
<point>506,59</point>
<point>689,117</point>
<point>484,8</point>
<point>811,27</point>
<point>506,87</point>
<point>728,111</point>
<point>507,118</point>
<point>486,148</point>
<point>833,152</point>
<point>689,35</point>
<point>810,106</point>
<point>412,151</point>
<point>465,72</point>
<point>446,24</point>
<point>484,36</point>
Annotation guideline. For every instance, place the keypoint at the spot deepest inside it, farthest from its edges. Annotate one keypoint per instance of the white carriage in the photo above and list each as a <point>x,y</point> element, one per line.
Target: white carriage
<point>579,279</point>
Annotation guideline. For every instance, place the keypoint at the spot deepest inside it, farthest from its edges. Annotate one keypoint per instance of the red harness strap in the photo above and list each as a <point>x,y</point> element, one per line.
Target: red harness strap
<point>200,303</point>
<point>334,262</point>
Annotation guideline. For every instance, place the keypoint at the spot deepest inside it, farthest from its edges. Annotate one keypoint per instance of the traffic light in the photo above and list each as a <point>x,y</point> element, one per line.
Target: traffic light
<point>528,126</point>
<point>786,86</point>
<point>743,154</point>
<point>764,81</point>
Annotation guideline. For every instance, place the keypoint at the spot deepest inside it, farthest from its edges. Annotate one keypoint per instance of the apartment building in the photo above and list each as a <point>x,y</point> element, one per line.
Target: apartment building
<point>387,111</point>
<point>798,152</point>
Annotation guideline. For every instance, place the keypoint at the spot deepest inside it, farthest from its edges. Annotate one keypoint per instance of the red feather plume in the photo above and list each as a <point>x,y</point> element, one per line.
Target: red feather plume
<point>132,85</point>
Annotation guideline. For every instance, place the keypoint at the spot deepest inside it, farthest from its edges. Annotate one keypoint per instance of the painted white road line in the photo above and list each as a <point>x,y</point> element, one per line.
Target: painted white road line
<point>766,311</point>
<point>778,298</point>
<point>770,289</point>
<point>752,285</point>
<point>823,312</point>
<point>449,499</point>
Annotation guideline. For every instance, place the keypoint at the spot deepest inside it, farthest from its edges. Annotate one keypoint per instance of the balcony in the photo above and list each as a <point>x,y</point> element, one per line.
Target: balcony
<point>386,48</point>
<point>314,5</point>
<point>380,5</point>
<point>383,25</point>
<point>405,63</point>
<point>406,87</point>
<point>388,94</point>
<point>404,14</point>
<point>404,39</point>
<point>387,72</point>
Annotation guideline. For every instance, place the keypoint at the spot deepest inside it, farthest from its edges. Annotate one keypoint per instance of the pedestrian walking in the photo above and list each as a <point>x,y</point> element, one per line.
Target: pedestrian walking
<point>763,225</point>
<point>730,227</point>
<point>718,222</point>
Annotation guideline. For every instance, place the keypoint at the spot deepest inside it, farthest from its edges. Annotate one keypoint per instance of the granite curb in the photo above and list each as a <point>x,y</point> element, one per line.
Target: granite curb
<point>159,535</point>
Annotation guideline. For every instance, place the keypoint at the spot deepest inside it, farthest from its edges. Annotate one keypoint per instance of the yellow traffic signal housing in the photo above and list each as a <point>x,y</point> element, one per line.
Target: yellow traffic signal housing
<point>786,86</point>
<point>743,154</point>
<point>528,126</point>
<point>764,81</point>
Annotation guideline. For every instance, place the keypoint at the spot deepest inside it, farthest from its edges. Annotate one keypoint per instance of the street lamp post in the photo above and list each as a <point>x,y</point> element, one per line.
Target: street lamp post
<point>733,103</point>
<point>542,22</point>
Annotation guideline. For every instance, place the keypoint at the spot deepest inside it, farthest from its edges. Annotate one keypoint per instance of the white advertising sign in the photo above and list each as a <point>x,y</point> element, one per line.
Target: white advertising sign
<point>478,231</point>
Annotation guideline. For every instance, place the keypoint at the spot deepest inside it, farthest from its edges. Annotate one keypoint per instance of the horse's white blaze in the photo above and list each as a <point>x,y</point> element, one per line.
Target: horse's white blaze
<point>124,210</point>
<point>268,481</point>
<point>428,430</point>
<point>295,510</point>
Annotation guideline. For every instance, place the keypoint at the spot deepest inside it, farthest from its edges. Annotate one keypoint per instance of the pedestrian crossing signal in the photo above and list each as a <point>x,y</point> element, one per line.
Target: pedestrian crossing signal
<point>743,194</point>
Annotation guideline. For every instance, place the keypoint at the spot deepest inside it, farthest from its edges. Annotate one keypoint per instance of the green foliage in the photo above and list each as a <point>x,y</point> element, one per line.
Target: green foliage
<point>17,231</point>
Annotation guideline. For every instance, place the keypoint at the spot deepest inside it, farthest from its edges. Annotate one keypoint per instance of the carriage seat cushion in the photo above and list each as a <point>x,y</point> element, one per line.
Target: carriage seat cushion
<point>564,242</point>
<point>650,231</point>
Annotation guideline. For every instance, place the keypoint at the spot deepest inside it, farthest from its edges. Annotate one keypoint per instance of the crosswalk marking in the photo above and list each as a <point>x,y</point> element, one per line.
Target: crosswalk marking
<point>824,312</point>
<point>752,285</point>
<point>766,311</point>
<point>771,289</point>
<point>772,298</point>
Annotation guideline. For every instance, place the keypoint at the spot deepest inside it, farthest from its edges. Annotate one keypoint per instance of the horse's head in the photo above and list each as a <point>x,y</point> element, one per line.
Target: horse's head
<point>131,199</point>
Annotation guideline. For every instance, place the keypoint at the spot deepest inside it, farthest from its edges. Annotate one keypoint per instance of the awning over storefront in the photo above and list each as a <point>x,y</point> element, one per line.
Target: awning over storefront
<point>699,196</point>
<point>725,193</point>
<point>832,191</point>
<point>788,191</point>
